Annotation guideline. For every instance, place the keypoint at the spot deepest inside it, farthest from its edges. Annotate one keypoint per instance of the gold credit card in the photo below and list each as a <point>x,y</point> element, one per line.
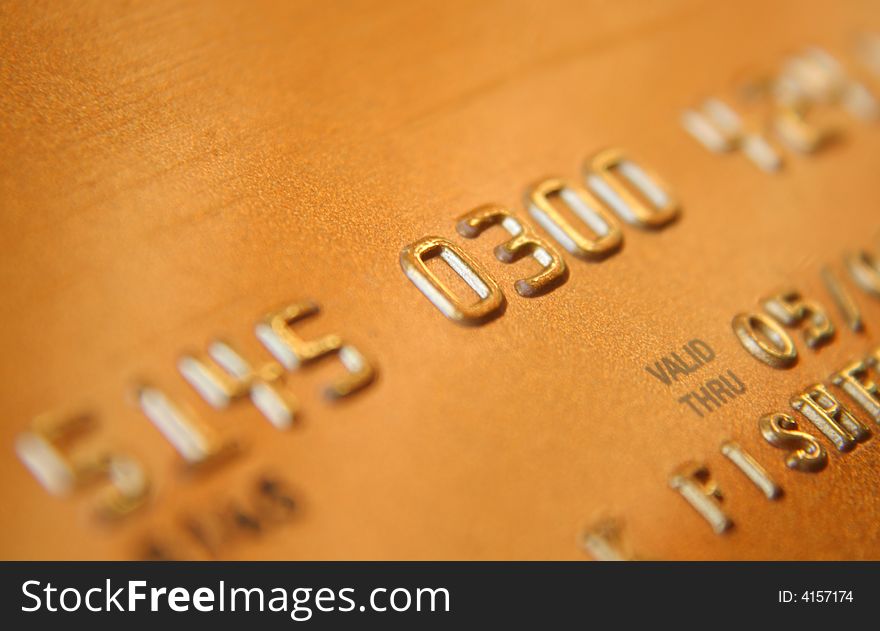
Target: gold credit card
<point>440,280</point>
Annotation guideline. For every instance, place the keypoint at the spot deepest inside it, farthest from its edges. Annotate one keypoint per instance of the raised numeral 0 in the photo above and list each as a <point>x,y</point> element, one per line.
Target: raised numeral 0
<point>761,336</point>
<point>606,236</point>
<point>491,301</point>
<point>636,194</point>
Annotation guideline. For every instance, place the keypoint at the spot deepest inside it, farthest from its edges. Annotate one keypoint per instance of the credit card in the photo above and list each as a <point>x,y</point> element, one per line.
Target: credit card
<point>458,280</point>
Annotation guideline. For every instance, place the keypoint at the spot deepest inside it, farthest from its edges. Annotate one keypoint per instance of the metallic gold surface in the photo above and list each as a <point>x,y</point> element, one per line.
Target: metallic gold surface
<point>172,172</point>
